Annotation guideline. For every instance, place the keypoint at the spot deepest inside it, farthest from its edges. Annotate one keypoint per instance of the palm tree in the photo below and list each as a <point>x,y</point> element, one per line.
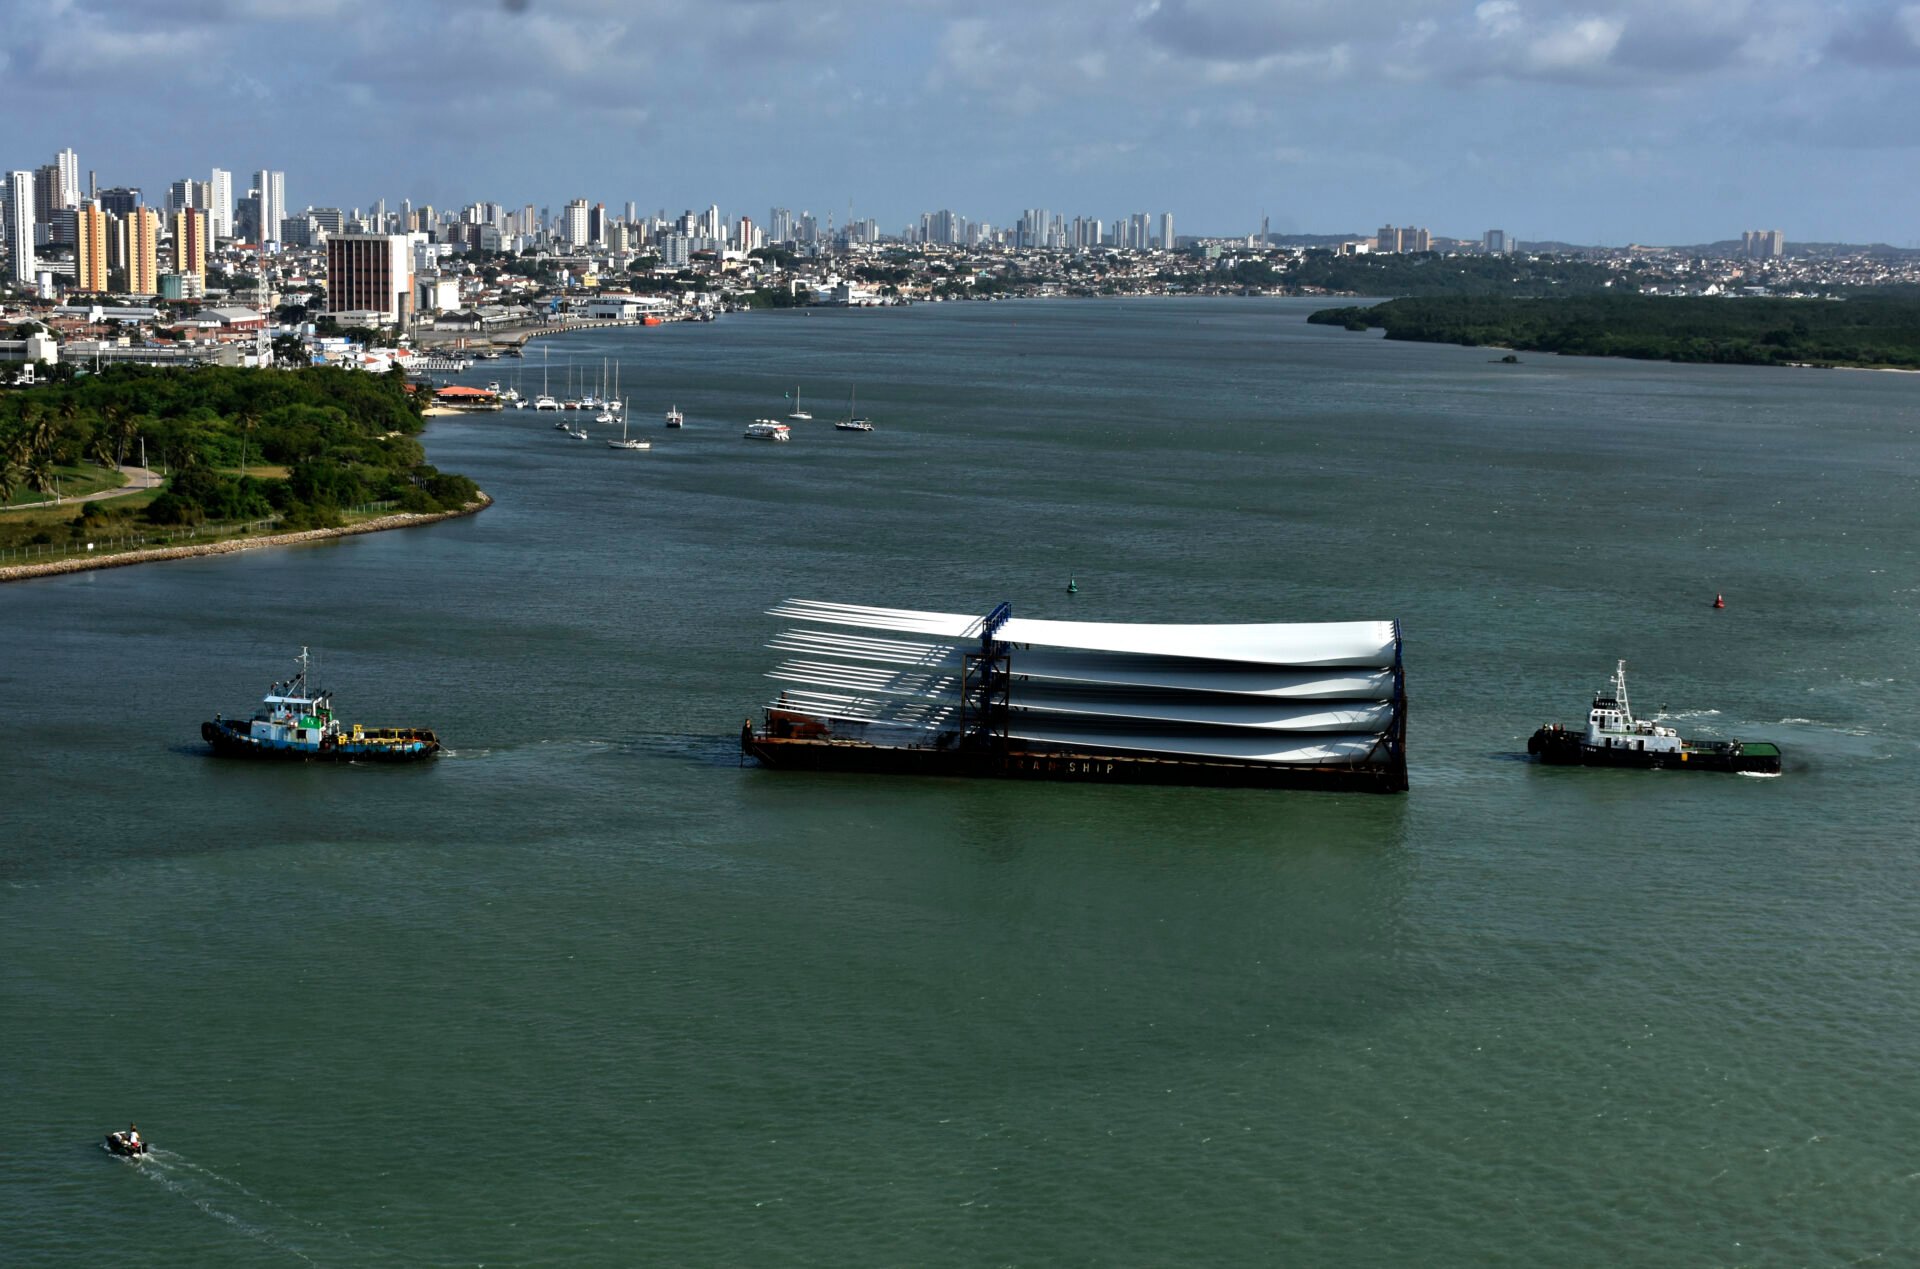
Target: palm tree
<point>118,431</point>
<point>41,474</point>
<point>10,475</point>
<point>42,435</point>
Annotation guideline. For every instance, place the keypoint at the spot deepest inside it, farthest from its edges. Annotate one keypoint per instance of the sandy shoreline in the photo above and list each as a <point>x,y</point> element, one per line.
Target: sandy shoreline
<point>22,572</point>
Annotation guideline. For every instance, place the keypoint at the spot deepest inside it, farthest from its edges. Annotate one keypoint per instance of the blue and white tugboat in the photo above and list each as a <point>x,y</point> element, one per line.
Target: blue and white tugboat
<point>1613,737</point>
<point>296,721</point>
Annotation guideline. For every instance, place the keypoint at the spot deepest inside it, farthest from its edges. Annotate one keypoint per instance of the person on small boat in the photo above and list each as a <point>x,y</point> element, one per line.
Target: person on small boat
<point>133,1137</point>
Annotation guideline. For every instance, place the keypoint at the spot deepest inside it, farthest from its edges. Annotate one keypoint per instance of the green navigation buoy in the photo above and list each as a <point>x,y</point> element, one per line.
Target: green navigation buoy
<point>1073,587</point>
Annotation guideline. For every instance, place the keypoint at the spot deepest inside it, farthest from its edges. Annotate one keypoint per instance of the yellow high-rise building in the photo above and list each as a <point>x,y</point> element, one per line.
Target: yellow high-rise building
<point>190,242</point>
<point>143,251</point>
<point>90,247</point>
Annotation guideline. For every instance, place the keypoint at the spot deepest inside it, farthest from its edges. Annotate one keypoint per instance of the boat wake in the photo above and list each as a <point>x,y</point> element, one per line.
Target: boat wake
<point>250,1215</point>
<point>1760,775</point>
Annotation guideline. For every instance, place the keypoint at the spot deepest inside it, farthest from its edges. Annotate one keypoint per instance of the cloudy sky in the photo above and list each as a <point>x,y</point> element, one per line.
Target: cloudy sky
<point>1607,121</point>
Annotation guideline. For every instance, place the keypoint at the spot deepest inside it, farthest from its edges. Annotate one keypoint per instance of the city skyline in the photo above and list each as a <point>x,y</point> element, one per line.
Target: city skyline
<point>1610,123</point>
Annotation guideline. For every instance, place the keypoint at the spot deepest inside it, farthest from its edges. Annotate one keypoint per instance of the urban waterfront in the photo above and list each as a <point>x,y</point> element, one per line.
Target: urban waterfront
<point>588,990</point>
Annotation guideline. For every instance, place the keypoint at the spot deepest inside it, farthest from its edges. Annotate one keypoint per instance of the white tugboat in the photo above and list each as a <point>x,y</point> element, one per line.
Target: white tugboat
<point>1613,737</point>
<point>297,721</point>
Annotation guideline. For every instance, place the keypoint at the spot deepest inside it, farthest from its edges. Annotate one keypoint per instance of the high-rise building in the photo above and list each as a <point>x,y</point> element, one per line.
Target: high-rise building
<point>120,200</point>
<point>190,242</point>
<point>68,165</point>
<point>1494,242</point>
<point>220,205</point>
<point>90,248</point>
<point>370,273</point>
<point>574,227</point>
<point>143,251</point>
<point>597,224</point>
<point>1166,231</point>
<point>272,187</point>
<point>299,231</point>
<point>19,224</point>
<point>1764,244</point>
<point>187,192</point>
<point>1406,238</point>
<point>53,217</point>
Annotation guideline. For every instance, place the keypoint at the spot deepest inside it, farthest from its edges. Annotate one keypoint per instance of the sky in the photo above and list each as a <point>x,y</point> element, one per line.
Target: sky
<point>1605,121</point>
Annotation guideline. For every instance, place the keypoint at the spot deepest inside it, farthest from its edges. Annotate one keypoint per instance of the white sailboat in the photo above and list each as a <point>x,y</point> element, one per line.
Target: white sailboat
<point>674,417</point>
<point>852,423</point>
<point>624,442</point>
<point>544,401</point>
<point>797,414</point>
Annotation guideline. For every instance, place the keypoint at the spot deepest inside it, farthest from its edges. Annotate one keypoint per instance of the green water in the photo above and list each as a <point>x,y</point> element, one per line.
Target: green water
<point>588,991</point>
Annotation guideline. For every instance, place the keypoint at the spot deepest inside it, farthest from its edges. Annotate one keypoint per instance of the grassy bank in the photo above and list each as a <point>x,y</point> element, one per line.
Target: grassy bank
<point>311,443</point>
<point>70,480</point>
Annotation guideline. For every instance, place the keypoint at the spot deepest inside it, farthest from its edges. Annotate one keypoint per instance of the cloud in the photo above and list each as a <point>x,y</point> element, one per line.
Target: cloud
<point>1880,37</point>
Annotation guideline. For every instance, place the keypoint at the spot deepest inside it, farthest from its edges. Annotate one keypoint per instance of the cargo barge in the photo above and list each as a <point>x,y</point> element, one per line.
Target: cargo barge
<point>1613,737</point>
<point>296,722</point>
<point>1318,706</point>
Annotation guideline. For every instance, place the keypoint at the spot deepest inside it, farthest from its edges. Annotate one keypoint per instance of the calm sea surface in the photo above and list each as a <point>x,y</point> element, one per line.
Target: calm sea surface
<point>587,991</point>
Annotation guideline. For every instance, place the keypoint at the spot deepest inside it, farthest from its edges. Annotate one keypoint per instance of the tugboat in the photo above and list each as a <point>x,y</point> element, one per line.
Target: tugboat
<point>1613,737</point>
<point>296,721</point>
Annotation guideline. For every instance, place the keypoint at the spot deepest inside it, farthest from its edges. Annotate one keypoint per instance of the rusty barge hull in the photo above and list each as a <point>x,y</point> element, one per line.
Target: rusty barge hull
<point>858,757</point>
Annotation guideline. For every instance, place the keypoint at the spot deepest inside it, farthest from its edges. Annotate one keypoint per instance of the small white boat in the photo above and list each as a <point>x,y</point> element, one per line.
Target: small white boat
<point>545,402</point>
<point>578,434</point>
<point>128,1143</point>
<point>605,416</point>
<point>674,417</point>
<point>797,414</point>
<point>768,430</point>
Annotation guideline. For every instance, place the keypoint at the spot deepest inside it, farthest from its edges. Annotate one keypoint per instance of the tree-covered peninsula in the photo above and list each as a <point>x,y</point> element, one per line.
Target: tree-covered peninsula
<point>300,447</point>
<point>1873,331</point>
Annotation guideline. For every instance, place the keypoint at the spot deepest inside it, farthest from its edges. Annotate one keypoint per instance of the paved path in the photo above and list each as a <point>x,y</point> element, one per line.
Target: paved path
<point>138,478</point>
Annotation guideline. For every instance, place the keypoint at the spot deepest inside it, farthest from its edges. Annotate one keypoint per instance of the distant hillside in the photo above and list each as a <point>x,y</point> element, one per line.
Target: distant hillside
<point>1427,273</point>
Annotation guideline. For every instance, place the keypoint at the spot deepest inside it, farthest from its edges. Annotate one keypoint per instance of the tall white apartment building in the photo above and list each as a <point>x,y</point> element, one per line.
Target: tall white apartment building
<point>19,224</point>
<point>69,164</point>
<point>220,205</point>
<point>575,228</point>
<point>273,202</point>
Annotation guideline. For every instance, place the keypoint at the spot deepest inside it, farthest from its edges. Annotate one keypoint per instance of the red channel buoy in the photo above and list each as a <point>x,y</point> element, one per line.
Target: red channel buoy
<point>1719,601</point>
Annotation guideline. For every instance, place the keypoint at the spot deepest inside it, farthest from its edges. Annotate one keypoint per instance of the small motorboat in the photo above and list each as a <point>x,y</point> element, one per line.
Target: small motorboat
<point>126,1143</point>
